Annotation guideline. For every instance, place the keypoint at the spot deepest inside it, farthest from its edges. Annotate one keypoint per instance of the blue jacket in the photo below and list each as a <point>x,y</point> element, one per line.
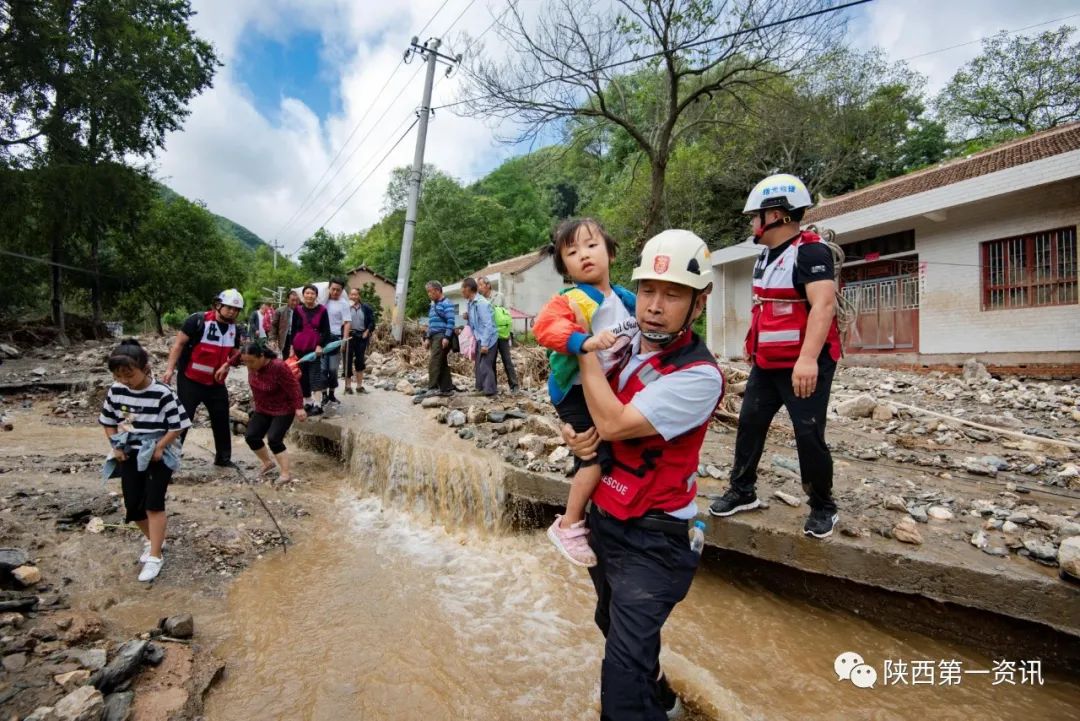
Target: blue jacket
<point>482,322</point>
<point>147,441</point>
<point>440,317</point>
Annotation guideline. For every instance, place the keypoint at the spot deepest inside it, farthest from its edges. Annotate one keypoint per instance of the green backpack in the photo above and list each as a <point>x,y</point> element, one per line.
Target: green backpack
<point>503,322</point>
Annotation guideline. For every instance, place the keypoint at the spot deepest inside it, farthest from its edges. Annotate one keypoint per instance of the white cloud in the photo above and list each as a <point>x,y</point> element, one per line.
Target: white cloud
<point>257,170</point>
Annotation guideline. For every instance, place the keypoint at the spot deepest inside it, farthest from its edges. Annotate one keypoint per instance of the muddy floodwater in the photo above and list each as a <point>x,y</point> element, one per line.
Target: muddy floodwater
<point>411,598</point>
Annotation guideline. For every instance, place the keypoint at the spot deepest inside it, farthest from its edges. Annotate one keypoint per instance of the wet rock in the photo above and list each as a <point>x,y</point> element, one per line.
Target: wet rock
<point>976,435</point>
<point>466,434</point>
<point>12,558</point>
<point>83,704</point>
<point>1010,528</point>
<point>124,665</point>
<point>11,618</point>
<point>435,402</point>
<point>919,513</point>
<point>9,351</point>
<point>788,499</point>
<point>95,525</point>
<point>1019,518</point>
<point>714,472</point>
<point>72,679</point>
<point>40,372</point>
<point>14,601</point>
<point>455,419</point>
<point>939,513</point>
<point>1041,550</point>
<point>118,706</point>
<point>27,576</point>
<point>179,626</point>
<point>1068,529</point>
<point>496,417</point>
<point>907,532</point>
<point>154,655</point>
<point>404,386</point>
<point>996,550</point>
<point>15,662</point>
<point>998,421</point>
<point>475,415</point>
<point>1068,556</point>
<point>995,462</point>
<point>975,372</point>
<point>895,503</point>
<point>976,468</point>
<point>859,407</point>
<point>980,540</point>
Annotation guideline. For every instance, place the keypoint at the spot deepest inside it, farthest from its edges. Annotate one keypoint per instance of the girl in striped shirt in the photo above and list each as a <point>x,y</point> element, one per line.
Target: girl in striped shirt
<point>143,421</point>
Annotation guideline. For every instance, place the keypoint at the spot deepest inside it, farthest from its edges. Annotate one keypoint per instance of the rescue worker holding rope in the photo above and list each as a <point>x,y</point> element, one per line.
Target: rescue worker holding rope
<point>793,346</point>
<point>655,411</point>
<point>206,347</point>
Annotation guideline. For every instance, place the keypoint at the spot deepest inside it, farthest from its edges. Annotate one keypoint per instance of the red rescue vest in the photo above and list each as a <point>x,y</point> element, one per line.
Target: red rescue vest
<point>211,351</point>
<point>779,316</point>
<point>651,473</point>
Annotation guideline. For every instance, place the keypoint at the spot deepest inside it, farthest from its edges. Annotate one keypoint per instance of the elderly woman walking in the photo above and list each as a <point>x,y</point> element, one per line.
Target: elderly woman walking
<point>277,401</point>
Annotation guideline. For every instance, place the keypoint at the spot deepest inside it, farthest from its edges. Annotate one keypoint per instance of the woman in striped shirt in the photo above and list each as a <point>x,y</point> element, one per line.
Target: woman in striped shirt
<point>143,422</point>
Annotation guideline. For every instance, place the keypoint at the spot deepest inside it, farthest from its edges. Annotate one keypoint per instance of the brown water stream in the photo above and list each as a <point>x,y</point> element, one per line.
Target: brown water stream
<point>412,599</point>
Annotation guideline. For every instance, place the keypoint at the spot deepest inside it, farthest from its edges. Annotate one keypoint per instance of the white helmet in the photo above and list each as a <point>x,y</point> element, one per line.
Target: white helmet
<point>677,256</point>
<point>232,298</point>
<point>783,191</point>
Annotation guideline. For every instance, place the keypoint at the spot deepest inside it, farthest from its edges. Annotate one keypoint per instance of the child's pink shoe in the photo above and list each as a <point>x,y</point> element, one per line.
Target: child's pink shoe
<point>572,542</point>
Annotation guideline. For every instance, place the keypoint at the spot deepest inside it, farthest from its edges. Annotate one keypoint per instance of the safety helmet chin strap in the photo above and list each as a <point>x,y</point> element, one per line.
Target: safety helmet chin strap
<point>664,338</point>
<point>764,227</point>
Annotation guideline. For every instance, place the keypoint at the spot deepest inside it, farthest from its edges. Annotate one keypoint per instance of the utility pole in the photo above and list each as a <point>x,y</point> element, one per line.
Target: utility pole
<point>275,245</point>
<point>430,52</point>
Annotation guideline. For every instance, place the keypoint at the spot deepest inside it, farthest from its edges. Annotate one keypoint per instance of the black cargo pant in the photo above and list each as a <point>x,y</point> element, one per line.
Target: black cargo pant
<point>640,575</point>
<point>508,364</point>
<point>216,399</point>
<point>439,365</point>
<point>766,392</point>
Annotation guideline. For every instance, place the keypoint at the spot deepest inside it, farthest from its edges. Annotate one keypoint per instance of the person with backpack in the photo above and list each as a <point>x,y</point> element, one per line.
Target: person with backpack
<point>504,325</point>
<point>310,332</point>
<point>207,345</point>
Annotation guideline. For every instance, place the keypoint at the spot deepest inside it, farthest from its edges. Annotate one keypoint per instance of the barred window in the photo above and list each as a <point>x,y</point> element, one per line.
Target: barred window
<point>1031,270</point>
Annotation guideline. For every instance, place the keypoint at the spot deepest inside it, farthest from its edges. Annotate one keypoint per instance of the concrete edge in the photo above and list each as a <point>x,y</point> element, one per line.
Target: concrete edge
<point>1029,596</point>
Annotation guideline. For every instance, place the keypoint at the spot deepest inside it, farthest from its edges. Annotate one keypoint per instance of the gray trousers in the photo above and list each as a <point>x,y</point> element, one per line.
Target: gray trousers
<point>484,366</point>
<point>508,363</point>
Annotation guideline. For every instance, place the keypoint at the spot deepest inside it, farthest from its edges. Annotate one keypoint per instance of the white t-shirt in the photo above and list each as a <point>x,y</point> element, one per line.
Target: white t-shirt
<point>675,403</point>
<point>338,312</point>
<point>612,315</point>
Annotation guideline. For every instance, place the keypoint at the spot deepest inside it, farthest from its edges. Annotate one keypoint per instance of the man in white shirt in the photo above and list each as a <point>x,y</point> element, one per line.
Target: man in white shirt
<point>340,314</point>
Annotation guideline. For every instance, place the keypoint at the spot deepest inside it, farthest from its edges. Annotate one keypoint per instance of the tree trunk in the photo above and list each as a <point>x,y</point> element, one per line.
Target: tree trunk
<point>655,214</point>
<point>56,255</point>
<point>95,287</point>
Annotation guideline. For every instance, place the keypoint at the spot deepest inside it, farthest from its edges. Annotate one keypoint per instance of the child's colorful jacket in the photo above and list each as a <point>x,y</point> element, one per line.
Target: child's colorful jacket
<point>556,328</point>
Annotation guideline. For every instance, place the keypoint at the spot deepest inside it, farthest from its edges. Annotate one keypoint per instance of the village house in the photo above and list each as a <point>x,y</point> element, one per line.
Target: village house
<point>527,282</point>
<point>361,275</point>
<point>973,257</point>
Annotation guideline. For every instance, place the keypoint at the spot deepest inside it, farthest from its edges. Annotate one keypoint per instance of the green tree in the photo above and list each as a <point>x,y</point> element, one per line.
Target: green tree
<point>322,256</point>
<point>654,70</point>
<point>369,296</point>
<point>84,82</point>
<point>1017,85</point>
<point>177,259</point>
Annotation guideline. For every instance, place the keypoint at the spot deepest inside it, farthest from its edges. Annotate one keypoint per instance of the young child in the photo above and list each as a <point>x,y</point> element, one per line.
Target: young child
<point>583,251</point>
<point>143,422</point>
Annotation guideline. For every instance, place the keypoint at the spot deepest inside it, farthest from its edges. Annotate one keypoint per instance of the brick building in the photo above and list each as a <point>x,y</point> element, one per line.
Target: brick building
<point>974,257</point>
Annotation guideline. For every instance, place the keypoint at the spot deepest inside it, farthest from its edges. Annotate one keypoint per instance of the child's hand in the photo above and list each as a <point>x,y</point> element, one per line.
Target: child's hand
<point>603,341</point>
<point>159,453</point>
<point>118,454</point>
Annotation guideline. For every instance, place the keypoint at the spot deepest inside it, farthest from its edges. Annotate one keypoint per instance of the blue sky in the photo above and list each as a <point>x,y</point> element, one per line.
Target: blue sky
<point>300,75</point>
<point>273,69</point>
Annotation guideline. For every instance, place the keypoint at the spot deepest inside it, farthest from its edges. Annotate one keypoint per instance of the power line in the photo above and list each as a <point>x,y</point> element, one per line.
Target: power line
<point>333,199</point>
<point>46,261</point>
<point>460,15</point>
<point>377,165</point>
<point>979,40</point>
<point>639,58</point>
<point>304,203</point>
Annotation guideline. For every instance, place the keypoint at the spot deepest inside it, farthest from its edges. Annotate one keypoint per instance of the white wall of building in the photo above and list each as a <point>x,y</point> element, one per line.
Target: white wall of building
<point>951,319</point>
<point>729,308</point>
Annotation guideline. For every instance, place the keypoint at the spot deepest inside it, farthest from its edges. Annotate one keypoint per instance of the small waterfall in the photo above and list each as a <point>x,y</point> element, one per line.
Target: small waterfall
<point>450,488</point>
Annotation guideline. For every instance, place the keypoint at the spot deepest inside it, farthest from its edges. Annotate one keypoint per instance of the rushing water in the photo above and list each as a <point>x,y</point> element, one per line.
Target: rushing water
<point>413,599</point>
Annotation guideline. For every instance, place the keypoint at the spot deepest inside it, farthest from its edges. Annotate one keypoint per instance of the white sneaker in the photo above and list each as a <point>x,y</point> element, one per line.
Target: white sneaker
<point>146,550</point>
<point>151,569</point>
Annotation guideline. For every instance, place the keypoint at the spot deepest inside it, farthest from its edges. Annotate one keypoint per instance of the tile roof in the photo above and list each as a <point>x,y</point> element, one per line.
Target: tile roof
<point>365,268</point>
<point>511,265</point>
<point>1007,155</point>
